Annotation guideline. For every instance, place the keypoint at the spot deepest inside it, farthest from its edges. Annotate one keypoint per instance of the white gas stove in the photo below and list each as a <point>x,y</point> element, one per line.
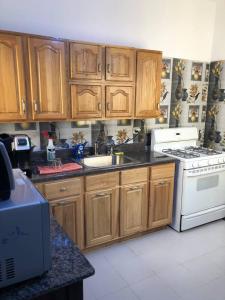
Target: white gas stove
<point>200,188</point>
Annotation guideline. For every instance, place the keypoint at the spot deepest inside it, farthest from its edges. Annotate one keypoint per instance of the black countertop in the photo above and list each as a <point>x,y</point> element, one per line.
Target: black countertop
<point>137,159</point>
<point>69,266</point>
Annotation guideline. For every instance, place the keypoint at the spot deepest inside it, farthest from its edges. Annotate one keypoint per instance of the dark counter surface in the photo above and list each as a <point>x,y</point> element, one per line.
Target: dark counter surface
<point>137,159</point>
<point>69,266</point>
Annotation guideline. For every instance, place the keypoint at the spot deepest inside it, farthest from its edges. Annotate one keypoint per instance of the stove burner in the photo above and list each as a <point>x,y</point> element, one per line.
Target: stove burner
<point>203,150</point>
<point>181,153</point>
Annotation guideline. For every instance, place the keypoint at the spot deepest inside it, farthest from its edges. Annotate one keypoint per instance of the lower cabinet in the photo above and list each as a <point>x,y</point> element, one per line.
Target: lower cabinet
<point>69,214</point>
<point>133,208</point>
<point>161,202</point>
<point>101,216</point>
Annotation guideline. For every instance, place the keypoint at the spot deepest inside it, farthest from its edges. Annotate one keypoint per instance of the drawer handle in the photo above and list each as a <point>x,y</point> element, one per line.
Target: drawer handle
<point>108,106</point>
<point>134,188</point>
<point>101,194</point>
<point>162,182</point>
<point>63,189</point>
<point>23,106</point>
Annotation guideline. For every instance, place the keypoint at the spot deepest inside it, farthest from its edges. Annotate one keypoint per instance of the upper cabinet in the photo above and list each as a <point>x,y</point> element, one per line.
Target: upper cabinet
<point>148,84</point>
<point>120,64</point>
<point>47,79</point>
<point>85,61</point>
<point>86,101</point>
<point>12,82</point>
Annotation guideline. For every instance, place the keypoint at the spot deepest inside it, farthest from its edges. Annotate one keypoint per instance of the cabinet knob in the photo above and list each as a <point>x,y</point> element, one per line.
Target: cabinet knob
<point>133,188</point>
<point>24,108</point>
<point>35,106</point>
<point>99,106</point>
<point>62,189</point>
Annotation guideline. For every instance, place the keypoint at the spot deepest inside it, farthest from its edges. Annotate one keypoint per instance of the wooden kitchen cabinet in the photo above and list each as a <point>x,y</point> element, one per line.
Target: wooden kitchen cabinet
<point>47,72</point>
<point>101,216</point>
<point>85,61</point>
<point>161,195</point>
<point>12,82</point>
<point>148,84</point>
<point>133,201</point>
<point>133,209</point>
<point>119,101</point>
<point>69,214</point>
<point>87,101</point>
<point>120,64</point>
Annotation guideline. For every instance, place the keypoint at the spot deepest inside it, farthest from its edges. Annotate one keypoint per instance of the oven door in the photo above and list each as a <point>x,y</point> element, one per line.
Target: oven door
<point>201,192</point>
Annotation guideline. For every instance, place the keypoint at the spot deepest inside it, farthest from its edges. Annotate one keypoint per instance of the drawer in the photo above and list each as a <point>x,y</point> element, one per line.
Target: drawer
<point>134,175</point>
<point>102,181</point>
<point>65,188</point>
<point>162,171</point>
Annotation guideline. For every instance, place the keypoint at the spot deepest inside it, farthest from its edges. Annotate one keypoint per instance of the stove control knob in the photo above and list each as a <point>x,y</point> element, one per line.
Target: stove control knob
<point>195,164</point>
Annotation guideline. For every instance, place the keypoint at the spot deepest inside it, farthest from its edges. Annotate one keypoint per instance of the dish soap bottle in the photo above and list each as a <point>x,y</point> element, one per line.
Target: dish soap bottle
<point>50,150</point>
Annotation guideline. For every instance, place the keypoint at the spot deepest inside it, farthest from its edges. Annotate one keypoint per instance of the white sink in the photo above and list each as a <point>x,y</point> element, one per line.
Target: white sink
<point>98,161</point>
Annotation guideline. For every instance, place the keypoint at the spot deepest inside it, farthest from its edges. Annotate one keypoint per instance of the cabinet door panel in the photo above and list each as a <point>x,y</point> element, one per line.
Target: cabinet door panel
<point>148,84</point>
<point>101,211</point>
<point>87,101</point>
<point>133,209</point>
<point>12,82</point>
<point>47,76</point>
<point>161,202</point>
<point>119,101</point>
<point>120,64</point>
<point>69,214</point>
<point>85,61</point>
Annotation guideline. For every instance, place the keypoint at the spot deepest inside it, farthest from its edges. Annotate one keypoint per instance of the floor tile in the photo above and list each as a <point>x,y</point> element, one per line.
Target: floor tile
<point>154,288</point>
<point>124,294</point>
<point>133,270</point>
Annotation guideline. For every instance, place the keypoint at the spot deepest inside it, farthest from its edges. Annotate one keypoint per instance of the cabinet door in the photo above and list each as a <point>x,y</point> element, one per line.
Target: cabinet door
<point>12,83</point>
<point>87,101</point>
<point>148,84</point>
<point>161,202</point>
<point>133,209</point>
<point>101,216</point>
<point>69,214</point>
<point>47,79</point>
<point>119,101</point>
<point>120,64</point>
<point>85,61</point>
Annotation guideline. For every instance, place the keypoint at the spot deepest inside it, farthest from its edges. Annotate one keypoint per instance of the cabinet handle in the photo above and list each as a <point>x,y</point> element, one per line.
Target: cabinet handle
<point>99,106</point>
<point>24,106</point>
<point>134,188</point>
<point>108,68</point>
<point>99,67</point>
<point>101,194</point>
<point>35,106</point>
<point>162,182</point>
<point>62,189</point>
<point>158,106</point>
<point>108,106</point>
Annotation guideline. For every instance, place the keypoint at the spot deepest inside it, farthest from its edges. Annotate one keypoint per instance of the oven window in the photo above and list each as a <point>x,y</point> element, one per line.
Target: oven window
<point>207,182</point>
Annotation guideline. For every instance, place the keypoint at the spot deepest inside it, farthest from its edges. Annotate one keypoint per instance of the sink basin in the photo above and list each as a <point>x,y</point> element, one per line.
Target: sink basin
<point>105,161</point>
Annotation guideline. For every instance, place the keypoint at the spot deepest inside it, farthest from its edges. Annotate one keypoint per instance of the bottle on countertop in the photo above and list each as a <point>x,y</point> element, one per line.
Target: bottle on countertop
<point>50,150</point>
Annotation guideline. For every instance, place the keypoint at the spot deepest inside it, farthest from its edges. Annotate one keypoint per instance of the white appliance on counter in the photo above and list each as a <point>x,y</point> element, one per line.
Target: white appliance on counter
<point>200,178</point>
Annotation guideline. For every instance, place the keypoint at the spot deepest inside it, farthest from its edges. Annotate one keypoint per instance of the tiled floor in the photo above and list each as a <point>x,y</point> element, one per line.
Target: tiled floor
<point>164,265</point>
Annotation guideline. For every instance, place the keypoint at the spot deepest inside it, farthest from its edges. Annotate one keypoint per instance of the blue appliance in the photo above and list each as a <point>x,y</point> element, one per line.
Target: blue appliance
<point>25,250</point>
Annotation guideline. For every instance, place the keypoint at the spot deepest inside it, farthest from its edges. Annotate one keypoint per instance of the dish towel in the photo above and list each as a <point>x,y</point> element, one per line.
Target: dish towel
<point>44,170</point>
